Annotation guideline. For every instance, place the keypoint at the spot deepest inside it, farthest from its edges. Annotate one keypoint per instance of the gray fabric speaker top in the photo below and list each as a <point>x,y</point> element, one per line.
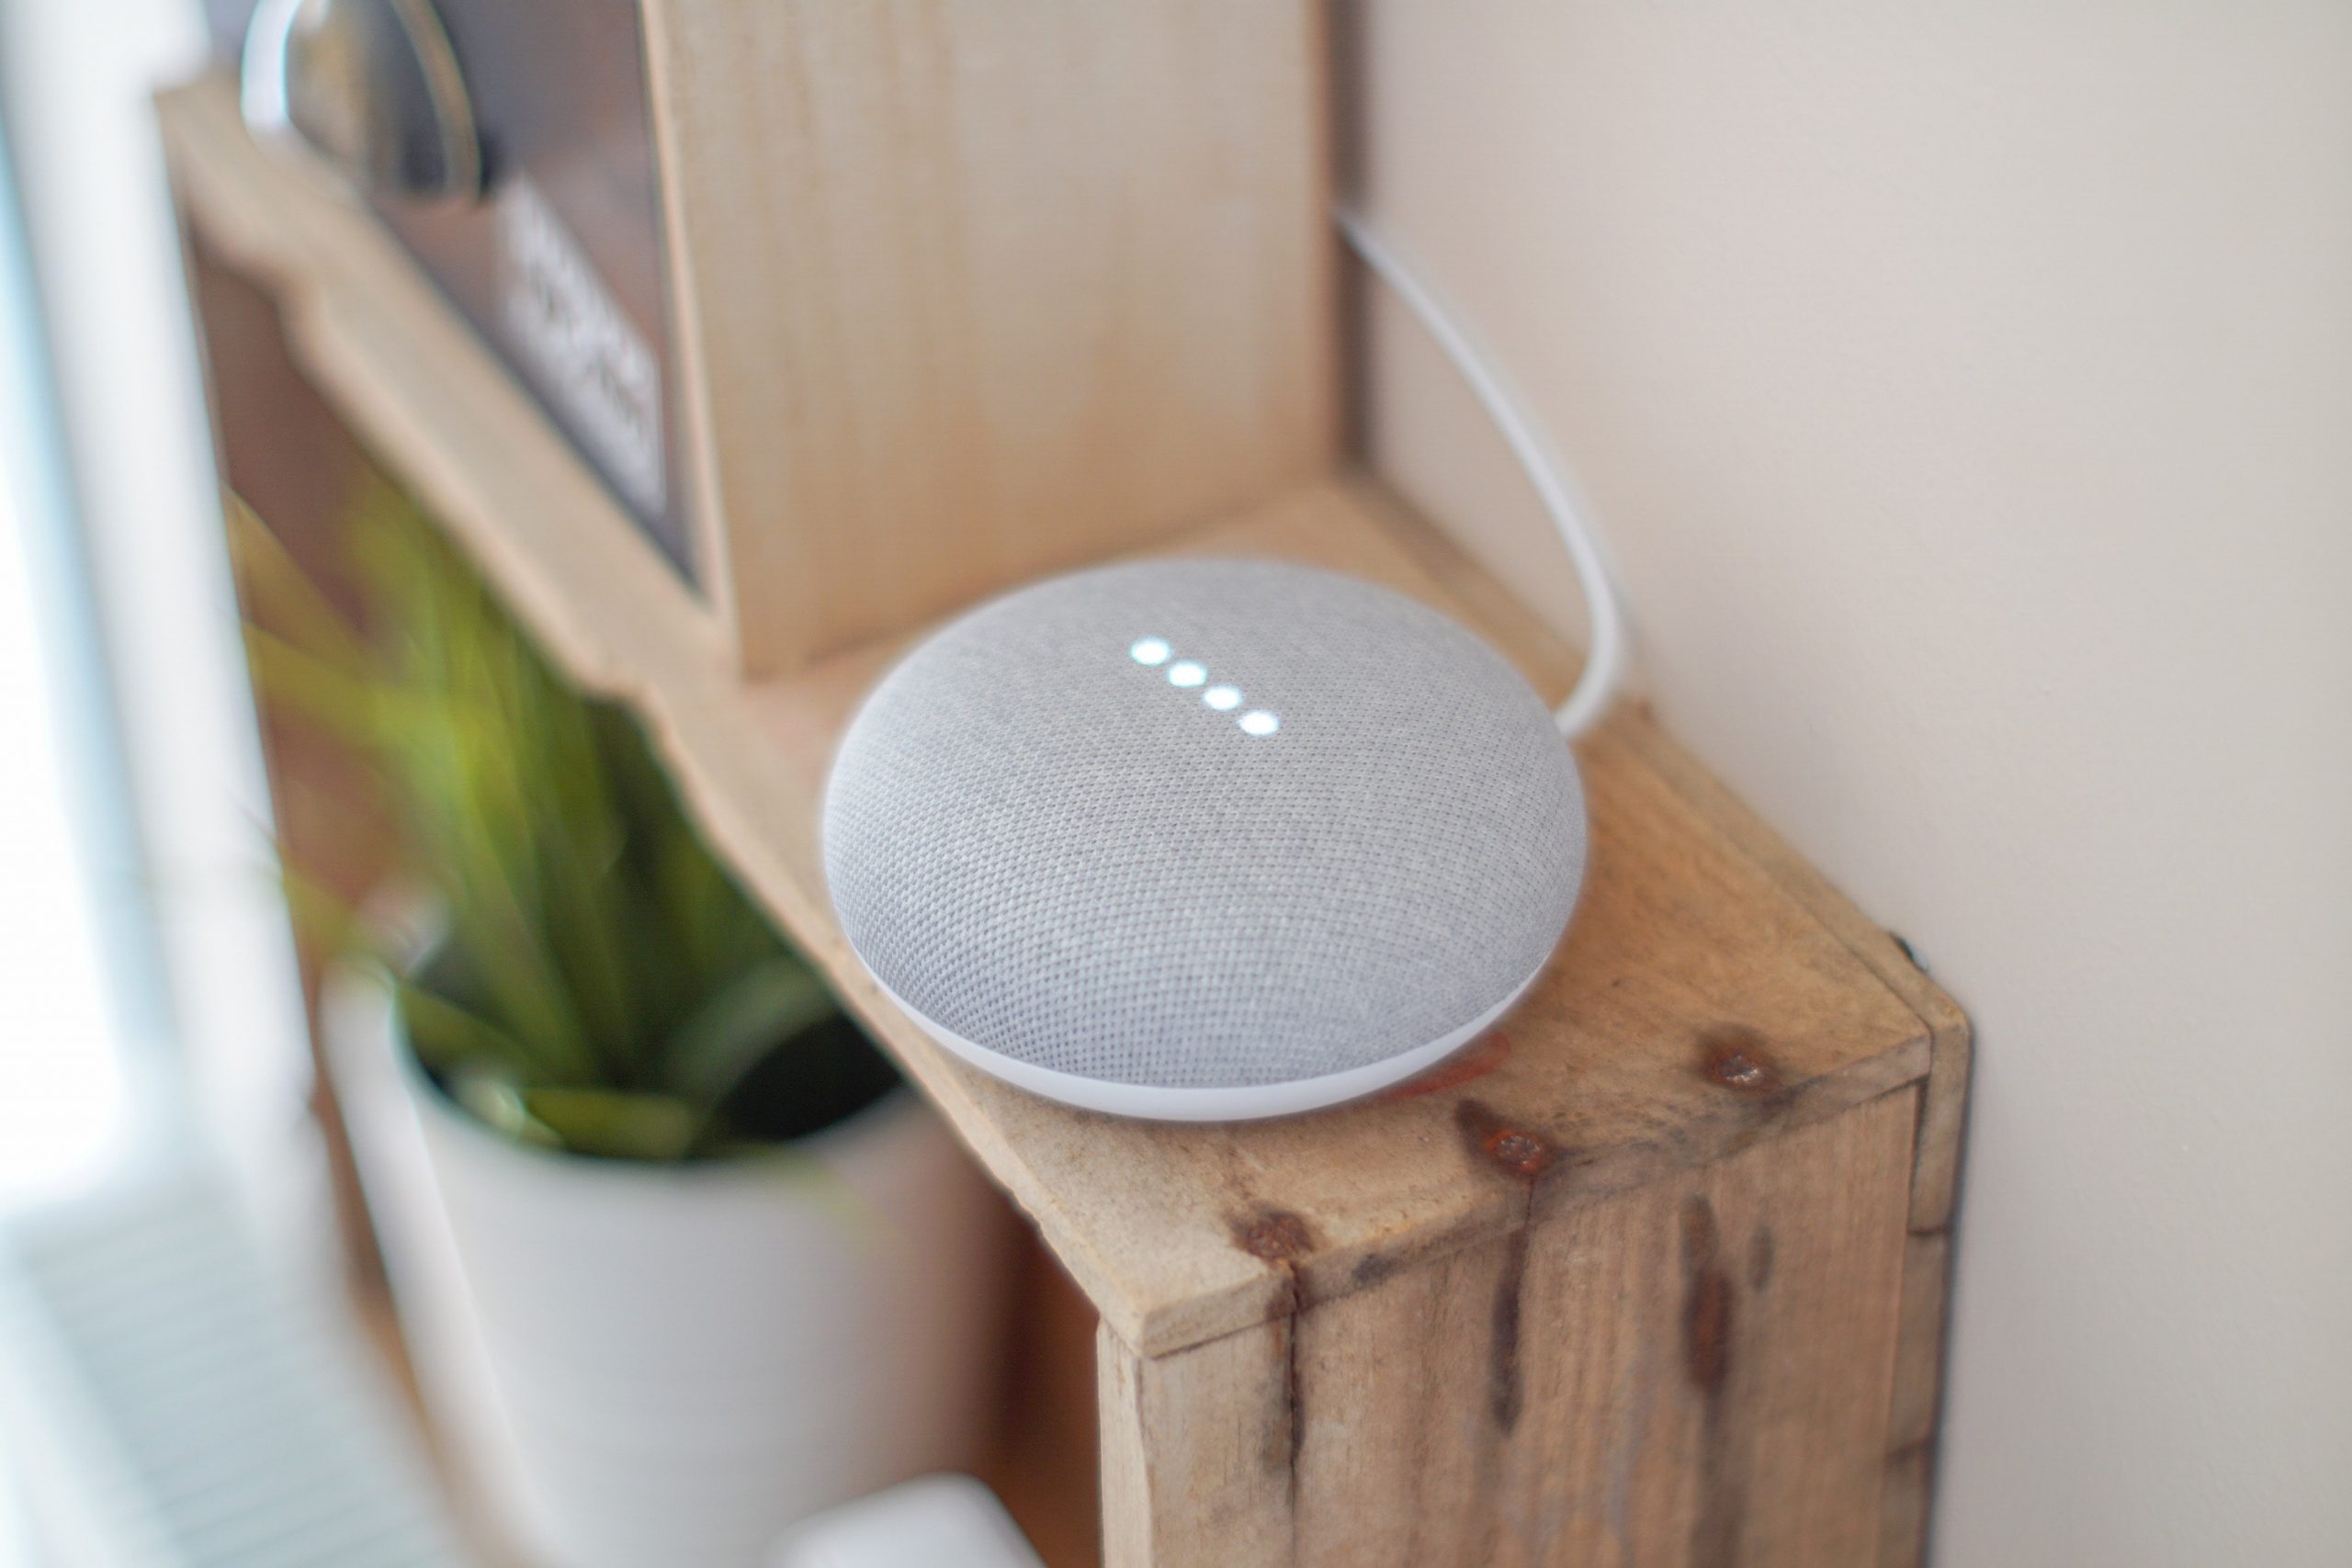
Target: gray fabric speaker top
<point>1194,824</point>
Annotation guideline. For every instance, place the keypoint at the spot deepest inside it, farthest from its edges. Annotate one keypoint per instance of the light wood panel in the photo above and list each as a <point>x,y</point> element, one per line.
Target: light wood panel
<point>1695,1004</point>
<point>1196,1451</point>
<point>1695,1371</point>
<point>969,290</point>
<point>1716,1009</point>
<point>1927,1274</point>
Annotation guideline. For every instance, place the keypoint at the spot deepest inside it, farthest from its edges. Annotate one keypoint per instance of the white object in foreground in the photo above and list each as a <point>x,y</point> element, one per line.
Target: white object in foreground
<point>644,1366</point>
<point>940,1521</point>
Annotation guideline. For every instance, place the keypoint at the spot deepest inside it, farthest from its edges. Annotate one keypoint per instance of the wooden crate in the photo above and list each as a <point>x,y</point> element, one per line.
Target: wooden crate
<point>968,293</point>
<point>1654,1273</point>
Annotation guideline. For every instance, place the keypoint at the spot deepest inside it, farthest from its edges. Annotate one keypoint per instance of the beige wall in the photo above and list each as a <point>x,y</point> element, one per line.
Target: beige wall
<point>1967,392</point>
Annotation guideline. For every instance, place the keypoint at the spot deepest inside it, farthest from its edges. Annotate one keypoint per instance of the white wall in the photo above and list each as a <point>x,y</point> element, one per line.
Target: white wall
<point>1967,391</point>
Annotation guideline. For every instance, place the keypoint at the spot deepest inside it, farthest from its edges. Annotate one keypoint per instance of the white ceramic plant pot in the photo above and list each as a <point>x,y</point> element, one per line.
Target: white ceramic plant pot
<point>642,1366</point>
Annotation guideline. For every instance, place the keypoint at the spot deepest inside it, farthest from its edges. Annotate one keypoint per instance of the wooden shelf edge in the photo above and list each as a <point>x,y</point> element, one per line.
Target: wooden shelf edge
<point>1951,1042</point>
<point>1923,1328</point>
<point>1144,1218</point>
<point>365,320</point>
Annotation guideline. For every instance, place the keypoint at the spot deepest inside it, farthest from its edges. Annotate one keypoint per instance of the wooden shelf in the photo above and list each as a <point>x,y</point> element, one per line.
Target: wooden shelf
<point>1714,994</point>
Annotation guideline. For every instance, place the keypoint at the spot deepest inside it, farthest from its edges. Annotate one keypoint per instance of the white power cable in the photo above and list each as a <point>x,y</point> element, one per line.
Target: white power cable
<point>1605,660</point>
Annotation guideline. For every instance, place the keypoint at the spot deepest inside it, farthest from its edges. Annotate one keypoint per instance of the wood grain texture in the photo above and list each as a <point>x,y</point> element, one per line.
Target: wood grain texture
<point>1716,1008</point>
<point>1926,1280</point>
<point>1196,1451</point>
<point>1044,1462</point>
<point>1696,1003</point>
<point>967,290</point>
<point>1719,1024</point>
<point>1942,1116</point>
<point>1696,1372</point>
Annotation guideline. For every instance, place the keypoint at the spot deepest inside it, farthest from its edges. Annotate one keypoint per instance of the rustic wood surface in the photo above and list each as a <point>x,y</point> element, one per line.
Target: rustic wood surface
<point>1043,1461</point>
<point>965,293</point>
<point>1716,1007</point>
<point>1691,1373</point>
<point>1695,1004</point>
<point>1927,1272</point>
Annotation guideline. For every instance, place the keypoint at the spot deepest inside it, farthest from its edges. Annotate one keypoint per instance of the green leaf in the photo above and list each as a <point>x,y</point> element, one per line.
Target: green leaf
<point>449,1039</point>
<point>769,1003</point>
<point>616,1123</point>
<point>610,985</point>
<point>341,704</point>
<point>495,1102</point>
<point>328,919</point>
<point>279,585</point>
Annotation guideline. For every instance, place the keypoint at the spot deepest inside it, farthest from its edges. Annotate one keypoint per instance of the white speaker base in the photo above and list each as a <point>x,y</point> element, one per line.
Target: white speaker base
<point>1241,1102</point>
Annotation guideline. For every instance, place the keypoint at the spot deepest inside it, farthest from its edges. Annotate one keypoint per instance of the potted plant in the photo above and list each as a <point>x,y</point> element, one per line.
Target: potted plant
<point>677,1255</point>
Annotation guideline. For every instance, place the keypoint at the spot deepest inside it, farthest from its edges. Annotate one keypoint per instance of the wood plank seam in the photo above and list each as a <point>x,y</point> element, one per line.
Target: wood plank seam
<point>1939,1130</point>
<point>1939,1140</point>
<point>963,294</point>
<point>1887,956</point>
<point>377,341</point>
<point>1280,1411</point>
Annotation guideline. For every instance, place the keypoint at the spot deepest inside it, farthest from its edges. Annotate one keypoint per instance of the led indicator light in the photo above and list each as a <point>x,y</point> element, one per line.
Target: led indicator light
<point>1185,673</point>
<point>1225,699</point>
<point>1258,721</point>
<point>1149,650</point>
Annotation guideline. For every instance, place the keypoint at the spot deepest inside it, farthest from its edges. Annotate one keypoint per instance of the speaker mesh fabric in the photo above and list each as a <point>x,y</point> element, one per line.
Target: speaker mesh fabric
<point>1044,846</point>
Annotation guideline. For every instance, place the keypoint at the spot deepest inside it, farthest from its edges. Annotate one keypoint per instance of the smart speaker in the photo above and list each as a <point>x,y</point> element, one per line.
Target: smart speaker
<point>1204,839</point>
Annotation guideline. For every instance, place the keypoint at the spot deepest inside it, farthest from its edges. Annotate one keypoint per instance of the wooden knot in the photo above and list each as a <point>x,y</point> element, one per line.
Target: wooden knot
<point>1276,1235</point>
<point>1734,1056</point>
<point>1517,1151</point>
